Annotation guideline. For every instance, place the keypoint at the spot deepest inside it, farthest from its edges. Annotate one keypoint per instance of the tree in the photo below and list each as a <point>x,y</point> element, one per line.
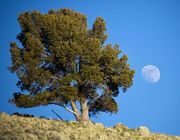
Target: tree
<point>62,62</point>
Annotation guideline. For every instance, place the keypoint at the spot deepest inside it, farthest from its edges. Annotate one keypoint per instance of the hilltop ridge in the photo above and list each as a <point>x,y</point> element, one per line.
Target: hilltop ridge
<point>19,128</point>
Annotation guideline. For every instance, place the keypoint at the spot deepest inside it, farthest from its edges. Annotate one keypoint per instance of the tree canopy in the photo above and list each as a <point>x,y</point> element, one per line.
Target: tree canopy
<point>60,61</point>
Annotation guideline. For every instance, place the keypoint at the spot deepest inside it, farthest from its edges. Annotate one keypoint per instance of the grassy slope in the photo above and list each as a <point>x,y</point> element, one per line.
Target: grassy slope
<point>23,128</point>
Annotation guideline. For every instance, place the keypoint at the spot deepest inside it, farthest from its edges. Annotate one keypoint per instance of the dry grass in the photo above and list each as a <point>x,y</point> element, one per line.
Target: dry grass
<point>23,128</point>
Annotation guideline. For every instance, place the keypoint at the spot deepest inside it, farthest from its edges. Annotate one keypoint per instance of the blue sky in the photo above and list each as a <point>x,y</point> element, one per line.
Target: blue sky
<point>148,31</point>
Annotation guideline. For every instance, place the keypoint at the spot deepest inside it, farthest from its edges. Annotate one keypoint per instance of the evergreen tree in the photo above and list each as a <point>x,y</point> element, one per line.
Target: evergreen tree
<point>62,62</point>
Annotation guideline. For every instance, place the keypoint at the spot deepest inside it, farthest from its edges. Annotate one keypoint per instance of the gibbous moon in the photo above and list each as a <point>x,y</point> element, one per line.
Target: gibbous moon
<point>150,73</point>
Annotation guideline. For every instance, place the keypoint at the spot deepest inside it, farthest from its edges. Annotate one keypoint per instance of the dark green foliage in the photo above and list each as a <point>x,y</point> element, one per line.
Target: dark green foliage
<point>61,61</point>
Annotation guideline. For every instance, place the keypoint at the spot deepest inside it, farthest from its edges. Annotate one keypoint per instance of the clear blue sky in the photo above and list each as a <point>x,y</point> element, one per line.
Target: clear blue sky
<point>148,31</point>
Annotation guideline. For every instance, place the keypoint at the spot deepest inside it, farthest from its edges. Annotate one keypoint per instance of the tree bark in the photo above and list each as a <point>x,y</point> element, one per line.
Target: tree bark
<point>84,110</point>
<point>84,115</point>
<point>75,109</point>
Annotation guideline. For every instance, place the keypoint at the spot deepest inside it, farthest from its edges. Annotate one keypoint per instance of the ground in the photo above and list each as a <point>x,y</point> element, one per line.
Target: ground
<point>32,128</point>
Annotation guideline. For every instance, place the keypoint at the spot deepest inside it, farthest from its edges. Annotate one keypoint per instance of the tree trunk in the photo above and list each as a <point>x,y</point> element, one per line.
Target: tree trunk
<point>84,115</point>
<point>84,110</point>
<point>75,109</point>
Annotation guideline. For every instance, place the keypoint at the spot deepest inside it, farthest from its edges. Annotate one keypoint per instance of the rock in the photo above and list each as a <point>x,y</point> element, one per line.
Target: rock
<point>100,125</point>
<point>143,131</point>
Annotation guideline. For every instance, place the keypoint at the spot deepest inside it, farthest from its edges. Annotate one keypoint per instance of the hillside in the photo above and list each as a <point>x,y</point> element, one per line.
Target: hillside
<point>29,128</point>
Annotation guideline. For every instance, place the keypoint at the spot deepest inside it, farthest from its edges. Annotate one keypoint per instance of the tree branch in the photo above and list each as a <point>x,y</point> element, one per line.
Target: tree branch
<point>69,110</point>
<point>105,93</point>
<point>56,114</point>
<point>92,101</point>
<point>54,77</point>
<point>74,107</point>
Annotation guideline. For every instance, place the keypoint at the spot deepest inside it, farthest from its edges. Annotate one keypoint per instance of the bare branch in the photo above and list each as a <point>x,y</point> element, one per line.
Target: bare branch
<point>60,104</point>
<point>70,110</point>
<point>56,114</point>
<point>54,77</point>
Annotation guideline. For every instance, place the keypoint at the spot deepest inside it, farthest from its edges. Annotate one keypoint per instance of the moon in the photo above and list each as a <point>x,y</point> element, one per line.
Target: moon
<point>150,73</point>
